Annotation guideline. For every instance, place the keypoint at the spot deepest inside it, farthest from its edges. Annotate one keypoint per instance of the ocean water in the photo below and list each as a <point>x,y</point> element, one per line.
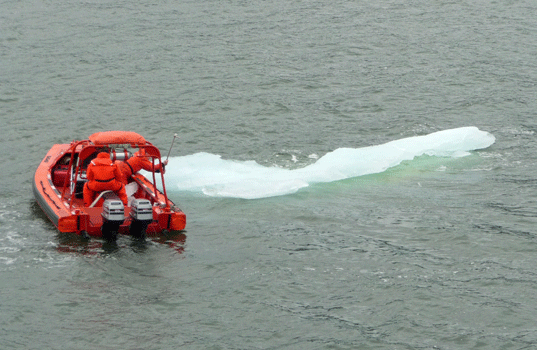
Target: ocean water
<point>356,175</point>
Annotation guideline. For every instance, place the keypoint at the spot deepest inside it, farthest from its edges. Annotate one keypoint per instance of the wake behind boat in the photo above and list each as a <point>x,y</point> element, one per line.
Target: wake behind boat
<point>61,176</point>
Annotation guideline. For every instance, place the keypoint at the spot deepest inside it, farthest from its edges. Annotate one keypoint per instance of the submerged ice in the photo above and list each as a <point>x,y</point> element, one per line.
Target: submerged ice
<point>214,176</point>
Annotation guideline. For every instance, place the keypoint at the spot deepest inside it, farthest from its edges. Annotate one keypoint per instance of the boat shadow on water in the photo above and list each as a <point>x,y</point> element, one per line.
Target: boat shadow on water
<point>73,243</point>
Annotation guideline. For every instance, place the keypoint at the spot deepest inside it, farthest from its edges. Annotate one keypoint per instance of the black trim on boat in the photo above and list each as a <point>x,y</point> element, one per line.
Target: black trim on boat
<point>48,195</point>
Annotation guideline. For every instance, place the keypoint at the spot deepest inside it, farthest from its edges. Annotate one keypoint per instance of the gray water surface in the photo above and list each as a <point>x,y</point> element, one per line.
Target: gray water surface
<point>436,253</point>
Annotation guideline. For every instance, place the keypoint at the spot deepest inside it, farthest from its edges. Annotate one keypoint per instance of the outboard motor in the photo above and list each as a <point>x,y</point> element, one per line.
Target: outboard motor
<point>113,216</point>
<point>142,216</point>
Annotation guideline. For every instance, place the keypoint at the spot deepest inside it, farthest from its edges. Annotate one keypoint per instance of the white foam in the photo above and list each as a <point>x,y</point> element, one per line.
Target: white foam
<point>210,174</point>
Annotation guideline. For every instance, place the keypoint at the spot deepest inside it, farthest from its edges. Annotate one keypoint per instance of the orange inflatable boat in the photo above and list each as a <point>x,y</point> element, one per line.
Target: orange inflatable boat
<point>60,178</point>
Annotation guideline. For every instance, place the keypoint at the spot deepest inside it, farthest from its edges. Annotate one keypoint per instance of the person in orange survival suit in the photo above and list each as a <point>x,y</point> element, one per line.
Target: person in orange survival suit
<point>103,175</point>
<point>136,163</point>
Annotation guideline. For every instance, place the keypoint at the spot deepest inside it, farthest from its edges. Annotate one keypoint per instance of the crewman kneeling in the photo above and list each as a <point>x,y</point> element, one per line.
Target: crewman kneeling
<point>103,175</point>
<point>136,163</point>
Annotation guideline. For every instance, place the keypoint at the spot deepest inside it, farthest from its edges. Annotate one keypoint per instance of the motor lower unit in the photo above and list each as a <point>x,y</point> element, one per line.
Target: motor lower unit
<point>113,216</point>
<point>142,216</point>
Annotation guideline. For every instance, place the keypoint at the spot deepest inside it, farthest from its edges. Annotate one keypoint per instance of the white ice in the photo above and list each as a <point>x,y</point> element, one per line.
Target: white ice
<point>214,176</point>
